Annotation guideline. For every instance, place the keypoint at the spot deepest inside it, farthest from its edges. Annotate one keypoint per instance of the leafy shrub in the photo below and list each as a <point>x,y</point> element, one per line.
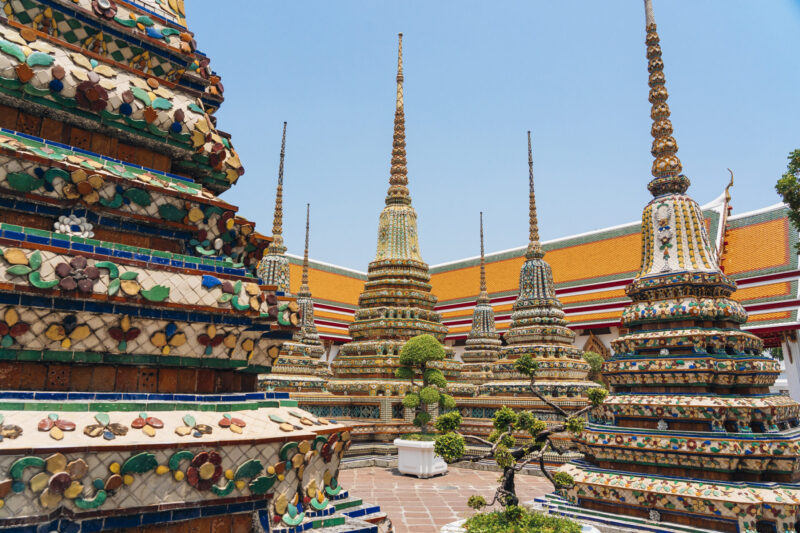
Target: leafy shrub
<point>449,446</point>
<point>514,519</point>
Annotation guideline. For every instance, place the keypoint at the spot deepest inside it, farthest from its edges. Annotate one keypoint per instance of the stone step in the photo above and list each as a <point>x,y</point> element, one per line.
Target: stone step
<point>345,515</point>
<point>347,503</point>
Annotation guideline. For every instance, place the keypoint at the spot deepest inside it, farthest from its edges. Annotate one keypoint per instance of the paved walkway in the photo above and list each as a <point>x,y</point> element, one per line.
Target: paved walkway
<point>425,505</point>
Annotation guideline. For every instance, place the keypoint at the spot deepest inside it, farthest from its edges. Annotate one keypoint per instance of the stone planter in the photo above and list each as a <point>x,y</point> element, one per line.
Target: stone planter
<point>416,458</point>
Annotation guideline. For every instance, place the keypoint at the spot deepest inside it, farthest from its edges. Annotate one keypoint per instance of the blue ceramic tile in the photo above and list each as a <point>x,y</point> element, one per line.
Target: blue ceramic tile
<point>156,518</point>
<point>119,522</point>
<point>14,235</point>
<point>185,514</point>
<point>82,247</point>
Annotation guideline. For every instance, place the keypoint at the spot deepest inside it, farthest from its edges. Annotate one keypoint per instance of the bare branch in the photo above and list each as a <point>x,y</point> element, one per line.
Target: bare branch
<point>539,395</point>
<point>547,474</point>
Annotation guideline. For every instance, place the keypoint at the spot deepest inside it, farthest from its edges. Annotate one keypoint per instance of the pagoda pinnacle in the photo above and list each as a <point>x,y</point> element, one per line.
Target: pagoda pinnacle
<point>277,245</point>
<point>534,247</point>
<point>484,295</point>
<point>304,288</point>
<point>667,177</point>
<point>398,190</point>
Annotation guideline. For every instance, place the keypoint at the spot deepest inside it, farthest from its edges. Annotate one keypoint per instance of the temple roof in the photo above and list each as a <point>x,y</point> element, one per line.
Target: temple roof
<point>590,272</point>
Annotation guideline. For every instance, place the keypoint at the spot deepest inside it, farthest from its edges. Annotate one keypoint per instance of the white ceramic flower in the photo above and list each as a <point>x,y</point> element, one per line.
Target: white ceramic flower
<point>74,225</point>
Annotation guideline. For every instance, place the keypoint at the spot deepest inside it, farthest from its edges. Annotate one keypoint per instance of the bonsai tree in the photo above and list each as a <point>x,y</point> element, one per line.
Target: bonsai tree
<point>502,442</point>
<point>429,384</point>
<point>595,361</point>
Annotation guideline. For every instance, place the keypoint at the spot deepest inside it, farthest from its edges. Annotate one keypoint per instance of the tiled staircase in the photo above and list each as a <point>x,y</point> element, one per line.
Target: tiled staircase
<point>346,514</point>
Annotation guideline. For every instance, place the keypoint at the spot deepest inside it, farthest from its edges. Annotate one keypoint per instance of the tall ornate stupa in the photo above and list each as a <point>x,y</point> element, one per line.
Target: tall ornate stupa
<point>397,303</point>
<point>483,342</point>
<point>274,266</point>
<point>691,433</point>
<point>299,367</point>
<point>538,327</point>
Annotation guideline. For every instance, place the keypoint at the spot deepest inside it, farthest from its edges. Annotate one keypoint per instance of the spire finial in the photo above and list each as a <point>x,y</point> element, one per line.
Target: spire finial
<point>667,177</point>
<point>398,190</point>
<point>304,284</point>
<point>534,247</point>
<point>277,222</point>
<point>484,295</point>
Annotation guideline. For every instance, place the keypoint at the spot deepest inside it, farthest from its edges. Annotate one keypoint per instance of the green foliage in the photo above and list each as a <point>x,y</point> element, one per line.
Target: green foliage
<point>503,457</point>
<point>434,376</point>
<point>427,437</point>
<point>404,372</point>
<point>595,361</point>
<point>776,353</point>
<point>411,400</point>
<point>417,351</point>
<point>575,424</point>
<point>421,419</point>
<point>448,422</point>
<point>563,480</point>
<point>449,447</point>
<point>429,395</point>
<point>447,402</point>
<point>789,188</point>
<point>476,502</point>
<point>526,365</point>
<point>597,395</point>
<point>504,418</point>
<point>514,519</point>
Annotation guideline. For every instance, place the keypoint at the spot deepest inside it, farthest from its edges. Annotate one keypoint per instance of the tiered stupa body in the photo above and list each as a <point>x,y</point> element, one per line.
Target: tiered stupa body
<point>691,421</point>
<point>299,367</point>
<point>538,328</point>
<point>274,266</point>
<point>483,342</point>
<point>397,303</point>
<point>132,325</point>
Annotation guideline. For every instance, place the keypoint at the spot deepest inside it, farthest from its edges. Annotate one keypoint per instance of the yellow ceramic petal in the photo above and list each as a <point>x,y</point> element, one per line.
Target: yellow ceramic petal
<point>96,181</point>
<point>211,330</point>
<point>73,491</point>
<point>179,339</point>
<point>80,333</point>
<point>114,467</point>
<point>48,499</point>
<point>178,475</point>
<point>91,198</point>
<point>66,343</point>
<point>56,463</point>
<point>125,323</point>
<point>78,176</point>
<point>229,474</point>
<point>162,469</point>
<point>39,481</point>
<point>15,256</point>
<point>159,339</point>
<point>130,287</point>
<point>11,317</point>
<point>230,341</point>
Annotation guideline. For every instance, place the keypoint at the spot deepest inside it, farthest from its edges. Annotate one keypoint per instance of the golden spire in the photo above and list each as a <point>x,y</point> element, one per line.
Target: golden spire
<point>484,295</point>
<point>277,222</point>
<point>304,289</point>
<point>534,247</point>
<point>398,190</point>
<point>667,177</point>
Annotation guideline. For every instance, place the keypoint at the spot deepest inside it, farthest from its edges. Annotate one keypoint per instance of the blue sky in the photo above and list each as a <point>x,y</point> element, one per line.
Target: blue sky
<point>478,76</point>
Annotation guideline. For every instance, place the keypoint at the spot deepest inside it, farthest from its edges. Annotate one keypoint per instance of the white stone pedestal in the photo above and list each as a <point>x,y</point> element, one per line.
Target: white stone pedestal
<point>417,458</point>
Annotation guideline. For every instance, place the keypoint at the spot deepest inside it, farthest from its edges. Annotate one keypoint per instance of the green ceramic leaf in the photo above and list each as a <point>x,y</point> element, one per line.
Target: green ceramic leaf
<point>145,21</point>
<point>19,466</point>
<point>177,457</point>
<point>278,419</point>
<point>23,182</point>
<point>102,418</point>
<point>158,293</point>
<point>35,278</point>
<point>286,448</point>
<point>196,108</point>
<point>139,463</point>
<point>114,203</point>
<point>203,251</point>
<point>162,103</point>
<point>262,484</point>
<point>141,94</point>
<point>166,32</point>
<point>39,59</point>
<point>113,287</point>
<point>98,500</point>
<point>53,173</point>
<point>171,213</point>
<point>129,275</point>
<point>225,298</point>
<point>189,420</point>
<point>239,307</point>
<point>12,50</point>
<point>237,287</point>
<point>248,469</point>
<point>223,491</point>
<point>113,271</point>
<point>130,23</point>
<point>30,89</point>
<point>19,270</point>
<point>35,260</point>
<point>138,196</point>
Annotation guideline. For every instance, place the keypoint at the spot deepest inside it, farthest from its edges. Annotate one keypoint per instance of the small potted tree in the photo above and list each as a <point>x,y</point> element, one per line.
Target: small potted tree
<point>418,357</point>
<point>512,457</point>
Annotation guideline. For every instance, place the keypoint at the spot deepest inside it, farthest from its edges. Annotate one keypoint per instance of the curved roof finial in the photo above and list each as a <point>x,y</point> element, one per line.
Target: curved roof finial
<point>484,295</point>
<point>304,283</point>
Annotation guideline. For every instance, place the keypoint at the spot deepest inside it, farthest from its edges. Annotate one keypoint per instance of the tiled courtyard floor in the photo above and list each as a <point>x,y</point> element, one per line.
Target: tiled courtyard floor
<point>425,505</point>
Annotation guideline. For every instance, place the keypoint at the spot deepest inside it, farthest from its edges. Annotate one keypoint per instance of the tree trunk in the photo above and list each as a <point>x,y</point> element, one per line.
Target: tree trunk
<point>510,495</point>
